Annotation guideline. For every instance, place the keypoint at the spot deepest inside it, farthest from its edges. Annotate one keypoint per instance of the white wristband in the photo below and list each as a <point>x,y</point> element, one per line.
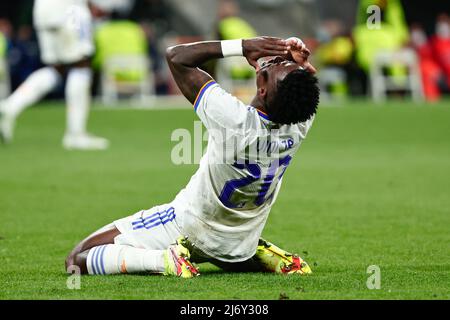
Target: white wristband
<point>231,48</point>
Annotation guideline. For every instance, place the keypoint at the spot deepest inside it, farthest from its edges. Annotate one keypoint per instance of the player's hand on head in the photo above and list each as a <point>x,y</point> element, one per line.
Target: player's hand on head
<point>295,43</point>
<point>299,53</point>
<point>256,48</point>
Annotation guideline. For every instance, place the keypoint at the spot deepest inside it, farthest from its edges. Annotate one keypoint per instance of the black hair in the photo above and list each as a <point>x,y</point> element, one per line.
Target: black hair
<point>296,99</point>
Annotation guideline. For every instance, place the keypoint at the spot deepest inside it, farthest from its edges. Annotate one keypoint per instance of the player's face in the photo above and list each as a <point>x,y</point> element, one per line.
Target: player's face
<point>275,70</point>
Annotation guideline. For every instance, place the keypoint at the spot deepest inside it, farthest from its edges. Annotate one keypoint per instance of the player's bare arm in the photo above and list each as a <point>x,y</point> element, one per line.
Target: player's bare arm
<point>185,60</point>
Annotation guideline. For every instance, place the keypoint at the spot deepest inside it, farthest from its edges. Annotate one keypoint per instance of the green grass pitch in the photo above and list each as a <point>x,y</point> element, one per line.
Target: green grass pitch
<point>370,186</point>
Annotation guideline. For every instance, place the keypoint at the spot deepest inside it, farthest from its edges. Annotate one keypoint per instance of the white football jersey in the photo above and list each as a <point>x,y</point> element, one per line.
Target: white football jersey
<point>53,13</point>
<point>227,201</point>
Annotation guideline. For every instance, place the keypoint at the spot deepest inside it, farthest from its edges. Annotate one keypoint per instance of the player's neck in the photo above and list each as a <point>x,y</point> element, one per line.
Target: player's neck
<point>258,104</point>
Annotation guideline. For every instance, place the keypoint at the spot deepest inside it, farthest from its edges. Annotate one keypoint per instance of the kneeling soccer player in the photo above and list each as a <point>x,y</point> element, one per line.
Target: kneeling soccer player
<point>220,215</point>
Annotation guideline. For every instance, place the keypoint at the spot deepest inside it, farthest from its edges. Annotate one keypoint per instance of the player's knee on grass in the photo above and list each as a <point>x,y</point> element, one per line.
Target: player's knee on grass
<point>78,259</point>
<point>250,265</point>
<point>78,255</point>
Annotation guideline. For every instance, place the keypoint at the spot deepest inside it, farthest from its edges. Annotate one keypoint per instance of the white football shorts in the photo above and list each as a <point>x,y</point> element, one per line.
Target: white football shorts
<point>67,43</point>
<point>155,229</point>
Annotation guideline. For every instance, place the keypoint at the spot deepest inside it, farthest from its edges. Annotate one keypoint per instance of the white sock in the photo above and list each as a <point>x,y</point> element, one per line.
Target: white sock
<point>114,259</point>
<point>35,87</point>
<point>78,98</point>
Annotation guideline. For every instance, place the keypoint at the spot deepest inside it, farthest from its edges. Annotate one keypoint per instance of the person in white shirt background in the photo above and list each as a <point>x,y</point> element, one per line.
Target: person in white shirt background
<point>64,30</point>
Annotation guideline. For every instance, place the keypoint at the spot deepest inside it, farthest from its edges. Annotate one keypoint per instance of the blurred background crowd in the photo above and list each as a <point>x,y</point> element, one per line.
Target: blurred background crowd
<point>374,48</point>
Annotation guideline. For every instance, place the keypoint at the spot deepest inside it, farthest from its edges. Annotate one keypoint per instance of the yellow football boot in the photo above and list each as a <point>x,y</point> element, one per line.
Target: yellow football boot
<point>176,261</point>
<point>276,260</point>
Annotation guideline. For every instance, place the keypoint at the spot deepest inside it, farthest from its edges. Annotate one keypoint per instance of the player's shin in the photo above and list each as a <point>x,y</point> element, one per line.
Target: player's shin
<point>115,259</point>
<point>78,98</point>
<point>35,87</point>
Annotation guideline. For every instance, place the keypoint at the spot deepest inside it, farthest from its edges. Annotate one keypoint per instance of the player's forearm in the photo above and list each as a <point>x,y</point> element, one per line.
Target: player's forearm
<point>194,54</point>
<point>184,60</point>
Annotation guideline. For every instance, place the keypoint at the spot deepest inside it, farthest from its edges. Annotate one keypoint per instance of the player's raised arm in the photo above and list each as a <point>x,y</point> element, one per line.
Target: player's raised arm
<point>184,60</point>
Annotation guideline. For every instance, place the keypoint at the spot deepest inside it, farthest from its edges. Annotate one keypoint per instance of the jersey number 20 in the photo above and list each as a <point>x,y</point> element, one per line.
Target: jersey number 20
<point>255,174</point>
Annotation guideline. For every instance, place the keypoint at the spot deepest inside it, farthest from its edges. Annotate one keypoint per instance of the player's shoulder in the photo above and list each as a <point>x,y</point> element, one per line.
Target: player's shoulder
<point>215,98</point>
<point>216,94</point>
<point>300,128</point>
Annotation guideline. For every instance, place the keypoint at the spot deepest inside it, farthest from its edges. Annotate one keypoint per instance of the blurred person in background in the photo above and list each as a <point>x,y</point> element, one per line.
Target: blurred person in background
<point>65,40</point>
<point>158,12</point>
<point>155,18</point>
<point>159,72</point>
<point>388,34</point>
<point>5,35</point>
<point>434,57</point>
<point>429,68</point>
<point>120,38</point>
<point>5,30</point>
<point>231,26</point>
<point>133,27</point>
<point>440,43</point>
<point>23,55</point>
<point>334,56</point>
